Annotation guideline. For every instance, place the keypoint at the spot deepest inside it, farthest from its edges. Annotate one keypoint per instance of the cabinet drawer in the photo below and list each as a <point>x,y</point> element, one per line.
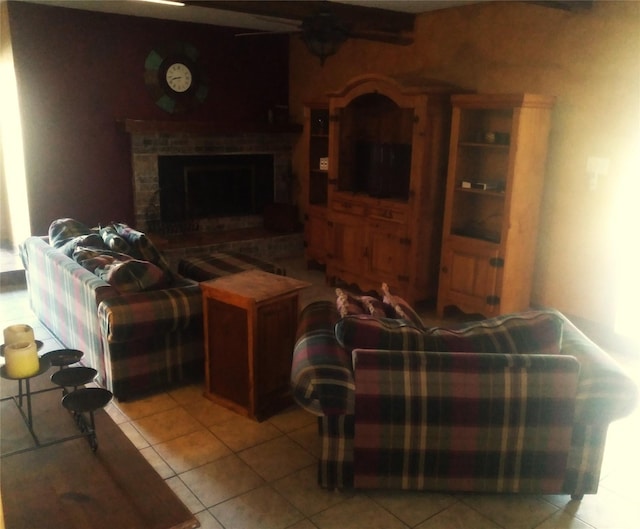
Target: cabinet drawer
<point>345,206</point>
<point>389,214</point>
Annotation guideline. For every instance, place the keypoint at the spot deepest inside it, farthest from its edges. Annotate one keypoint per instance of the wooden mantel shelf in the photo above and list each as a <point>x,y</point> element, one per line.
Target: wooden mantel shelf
<point>138,126</point>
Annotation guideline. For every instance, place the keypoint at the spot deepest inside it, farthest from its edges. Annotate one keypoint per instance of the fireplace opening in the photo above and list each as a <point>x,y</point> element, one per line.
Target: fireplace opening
<point>198,187</point>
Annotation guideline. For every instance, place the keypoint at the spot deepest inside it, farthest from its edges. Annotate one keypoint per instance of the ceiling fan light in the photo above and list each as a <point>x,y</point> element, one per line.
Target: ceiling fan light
<point>323,35</point>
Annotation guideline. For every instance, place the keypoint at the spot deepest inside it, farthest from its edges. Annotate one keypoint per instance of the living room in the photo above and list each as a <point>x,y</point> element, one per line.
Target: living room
<point>81,81</point>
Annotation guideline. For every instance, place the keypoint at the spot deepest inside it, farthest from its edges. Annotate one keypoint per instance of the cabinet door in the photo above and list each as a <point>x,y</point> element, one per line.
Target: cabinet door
<point>388,254</point>
<point>469,276</point>
<point>347,244</point>
<point>273,346</point>
<point>227,355</point>
<point>315,236</point>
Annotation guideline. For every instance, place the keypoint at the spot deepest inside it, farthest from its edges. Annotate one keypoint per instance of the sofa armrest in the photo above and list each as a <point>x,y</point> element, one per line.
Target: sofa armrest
<point>64,295</point>
<point>132,316</point>
<point>605,391</point>
<point>321,371</point>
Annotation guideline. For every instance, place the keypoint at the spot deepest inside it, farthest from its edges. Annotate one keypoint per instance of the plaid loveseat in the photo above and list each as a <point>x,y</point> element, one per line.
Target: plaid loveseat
<point>401,413</point>
<point>138,342</point>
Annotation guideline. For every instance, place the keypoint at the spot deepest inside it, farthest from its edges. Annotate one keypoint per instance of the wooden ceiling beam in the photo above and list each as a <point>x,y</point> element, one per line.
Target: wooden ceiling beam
<point>565,5</point>
<point>355,17</point>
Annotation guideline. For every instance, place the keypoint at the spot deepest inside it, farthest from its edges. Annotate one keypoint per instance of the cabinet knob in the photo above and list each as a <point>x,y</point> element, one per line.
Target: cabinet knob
<point>444,270</point>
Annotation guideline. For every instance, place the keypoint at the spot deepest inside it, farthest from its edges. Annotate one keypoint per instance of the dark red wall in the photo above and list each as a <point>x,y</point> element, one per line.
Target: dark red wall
<point>79,73</point>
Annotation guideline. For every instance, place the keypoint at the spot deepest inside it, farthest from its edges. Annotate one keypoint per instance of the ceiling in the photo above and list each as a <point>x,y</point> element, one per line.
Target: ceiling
<point>225,13</point>
<point>379,19</point>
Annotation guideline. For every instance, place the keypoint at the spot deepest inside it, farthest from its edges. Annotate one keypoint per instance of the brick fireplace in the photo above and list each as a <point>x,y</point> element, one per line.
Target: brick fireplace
<point>152,140</point>
<point>149,140</point>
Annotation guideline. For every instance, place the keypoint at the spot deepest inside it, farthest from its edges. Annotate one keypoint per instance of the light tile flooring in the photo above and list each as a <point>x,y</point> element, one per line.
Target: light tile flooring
<point>234,473</point>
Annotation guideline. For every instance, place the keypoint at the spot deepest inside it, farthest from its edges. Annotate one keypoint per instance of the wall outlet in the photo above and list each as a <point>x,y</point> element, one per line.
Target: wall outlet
<point>598,166</point>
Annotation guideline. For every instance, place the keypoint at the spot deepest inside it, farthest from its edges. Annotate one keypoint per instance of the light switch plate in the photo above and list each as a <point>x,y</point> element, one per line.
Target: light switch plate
<point>597,166</point>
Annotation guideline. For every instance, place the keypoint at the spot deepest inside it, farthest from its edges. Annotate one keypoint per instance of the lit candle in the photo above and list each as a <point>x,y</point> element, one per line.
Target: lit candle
<point>18,334</point>
<point>21,359</point>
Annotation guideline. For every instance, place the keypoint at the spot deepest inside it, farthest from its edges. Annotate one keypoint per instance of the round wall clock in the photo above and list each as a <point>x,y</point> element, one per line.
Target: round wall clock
<point>174,77</point>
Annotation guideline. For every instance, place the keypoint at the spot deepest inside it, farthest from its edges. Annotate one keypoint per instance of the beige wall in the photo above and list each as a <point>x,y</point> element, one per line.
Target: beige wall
<point>590,60</point>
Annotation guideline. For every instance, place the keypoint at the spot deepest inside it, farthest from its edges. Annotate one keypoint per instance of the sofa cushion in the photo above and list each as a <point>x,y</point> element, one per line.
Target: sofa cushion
<point>521,333</point>
<point>369,332</point>
<point>530,332</point>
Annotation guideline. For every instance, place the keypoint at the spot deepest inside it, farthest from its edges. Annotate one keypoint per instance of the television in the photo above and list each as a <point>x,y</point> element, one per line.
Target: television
<point>382,170</point>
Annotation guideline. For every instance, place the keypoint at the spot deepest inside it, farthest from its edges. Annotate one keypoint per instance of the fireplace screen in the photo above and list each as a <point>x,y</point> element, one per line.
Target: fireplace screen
<point>197,187</point>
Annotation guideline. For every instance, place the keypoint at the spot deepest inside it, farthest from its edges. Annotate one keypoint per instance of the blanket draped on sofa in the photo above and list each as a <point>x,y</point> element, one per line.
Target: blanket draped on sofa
<point>138,341</point>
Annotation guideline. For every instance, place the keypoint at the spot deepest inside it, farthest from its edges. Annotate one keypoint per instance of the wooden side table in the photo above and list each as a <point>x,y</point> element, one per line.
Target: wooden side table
<point>250,322</point>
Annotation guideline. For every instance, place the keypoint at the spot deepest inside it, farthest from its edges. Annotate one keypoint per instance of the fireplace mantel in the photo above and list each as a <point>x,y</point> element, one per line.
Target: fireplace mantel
<point>146,127</point>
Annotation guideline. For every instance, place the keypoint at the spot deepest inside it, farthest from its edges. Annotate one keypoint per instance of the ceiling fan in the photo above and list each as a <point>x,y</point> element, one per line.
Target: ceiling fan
<point>325,26</point>
<point>323,33</point>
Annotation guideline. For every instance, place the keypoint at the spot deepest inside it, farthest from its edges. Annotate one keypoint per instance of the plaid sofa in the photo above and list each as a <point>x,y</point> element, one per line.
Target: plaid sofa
<point>402,414</point>
<point>138,342</point>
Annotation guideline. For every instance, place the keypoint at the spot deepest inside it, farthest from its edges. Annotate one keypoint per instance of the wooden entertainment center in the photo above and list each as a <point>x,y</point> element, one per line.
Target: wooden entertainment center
<point>380,154</point>
<point>374,211</point>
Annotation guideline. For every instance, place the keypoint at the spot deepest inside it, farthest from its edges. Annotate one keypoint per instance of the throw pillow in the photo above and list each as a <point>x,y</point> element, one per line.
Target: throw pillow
<point>350,304</point>
<point>401,308</point>
<point>531,332</point>
<point>370,332</point>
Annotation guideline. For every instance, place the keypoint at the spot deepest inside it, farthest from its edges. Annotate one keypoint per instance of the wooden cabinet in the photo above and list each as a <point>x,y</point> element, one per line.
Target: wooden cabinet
<point>386,254</point>
<point>316,140</point>
<point>316,234</point>
<point>249,326</point>
<point>497,158</point>
<point>388,141</point>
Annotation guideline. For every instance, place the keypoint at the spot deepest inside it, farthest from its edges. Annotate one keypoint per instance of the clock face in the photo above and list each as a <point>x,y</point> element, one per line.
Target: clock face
<point>175,78</point>
<point>179,77</point>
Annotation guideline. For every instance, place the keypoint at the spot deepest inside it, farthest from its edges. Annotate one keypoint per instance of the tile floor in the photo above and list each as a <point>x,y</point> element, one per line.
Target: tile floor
<point>234,473</point>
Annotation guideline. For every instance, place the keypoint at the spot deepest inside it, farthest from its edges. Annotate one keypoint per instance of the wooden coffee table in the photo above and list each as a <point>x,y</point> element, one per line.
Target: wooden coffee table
<point>250,322</point>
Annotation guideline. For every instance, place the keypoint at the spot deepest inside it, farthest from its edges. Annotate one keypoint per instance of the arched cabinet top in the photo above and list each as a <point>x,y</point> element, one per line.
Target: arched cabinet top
<point>401,89</point>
